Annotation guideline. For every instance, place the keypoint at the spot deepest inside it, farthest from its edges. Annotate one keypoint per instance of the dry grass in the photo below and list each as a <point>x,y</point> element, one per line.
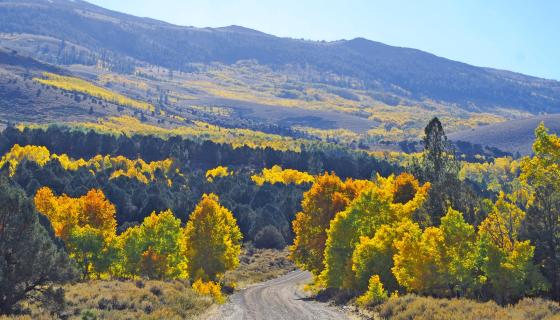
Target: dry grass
<point>128,300</point>
<point>414,307</point>
<point>257,265</point>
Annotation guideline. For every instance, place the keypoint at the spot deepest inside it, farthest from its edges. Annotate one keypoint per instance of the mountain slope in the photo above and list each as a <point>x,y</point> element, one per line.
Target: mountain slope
<point>511,136</point>
<point>405,73</point>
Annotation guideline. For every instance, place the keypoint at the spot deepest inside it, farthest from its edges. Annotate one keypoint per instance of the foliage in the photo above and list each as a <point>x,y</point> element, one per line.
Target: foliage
<point>217,172</point>
<point>30,261</point>
<point>440,260</point>
<point>286,176</point>
<point>375,206</point>
<point>212,240</point>
<point>117,166</point>
<point>155,249</point>
<point>87,224</point>
<point>375,255</point>
<point>439,166</point>
<point>82,86</point>
<point>541,176</point>
<point>375,293</point>
<point>507,262</point>
<point>327,196</point>
<point>496,176</point>
<point>209,288</point>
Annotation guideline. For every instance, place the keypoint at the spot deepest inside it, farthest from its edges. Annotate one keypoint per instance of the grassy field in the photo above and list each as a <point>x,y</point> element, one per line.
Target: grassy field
<point>99,299</point>
<point>424,308</point>
<point>151,299</point>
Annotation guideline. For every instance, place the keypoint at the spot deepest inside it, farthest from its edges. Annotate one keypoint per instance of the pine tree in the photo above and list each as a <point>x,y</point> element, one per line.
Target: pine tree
<point>30,263</point>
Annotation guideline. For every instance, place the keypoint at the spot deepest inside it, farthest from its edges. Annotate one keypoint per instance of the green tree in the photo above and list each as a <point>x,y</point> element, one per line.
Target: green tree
<point>213,240</point>
<point>506,262</point>
<point>30,263</point>
<point>155,249</point>
<point>439,166</point>
<point>541,174</point>
<point>374,256</point>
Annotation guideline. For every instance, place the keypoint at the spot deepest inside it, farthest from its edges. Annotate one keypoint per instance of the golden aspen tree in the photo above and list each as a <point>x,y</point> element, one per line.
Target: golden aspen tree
<point>540,174</point>
<point>507,262</point>
<point>86,224</point>
<point>374,207</point>
<point>440,261</point>
<point>374,256</point>
<point>213,240</point>
<point>327,196</point>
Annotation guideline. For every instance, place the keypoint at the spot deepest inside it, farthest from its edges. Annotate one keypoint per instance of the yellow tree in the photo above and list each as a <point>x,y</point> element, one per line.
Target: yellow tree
<point>541,175</point>
<point>387,201</point>
<point>327,196</point>
<point>507,263</point>
<point>86,224</point>
<point>213,240</point>
<point>374,256</point>
<point>439,261</point>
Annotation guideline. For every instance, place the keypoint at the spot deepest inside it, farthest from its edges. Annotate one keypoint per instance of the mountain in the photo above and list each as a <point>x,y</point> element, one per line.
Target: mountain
<point>402,72</point>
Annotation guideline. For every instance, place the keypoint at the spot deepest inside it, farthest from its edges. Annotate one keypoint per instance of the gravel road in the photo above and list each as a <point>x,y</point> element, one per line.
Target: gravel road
<point>280,298</point>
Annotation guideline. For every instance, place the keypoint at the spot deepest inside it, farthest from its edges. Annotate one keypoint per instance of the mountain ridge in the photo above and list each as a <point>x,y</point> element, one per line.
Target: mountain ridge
<point>409,73</point>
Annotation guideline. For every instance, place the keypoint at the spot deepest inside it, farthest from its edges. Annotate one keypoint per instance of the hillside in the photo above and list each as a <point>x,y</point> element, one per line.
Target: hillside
<point>356,92</point>
<point>512,136</point>
<point>400,72</point>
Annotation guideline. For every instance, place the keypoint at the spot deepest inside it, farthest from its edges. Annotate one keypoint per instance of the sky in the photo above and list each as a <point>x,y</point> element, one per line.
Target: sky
<point>517,35</point>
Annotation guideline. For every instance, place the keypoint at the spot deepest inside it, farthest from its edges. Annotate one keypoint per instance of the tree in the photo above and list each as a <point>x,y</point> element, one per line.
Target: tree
<point>507,262</point>
<point>374,207</point>
<point>213,240</point>
<point>374,256</point>
<point>30,263</point>
<point>327,196</point>
<point>439,166</point>
<point>541,175</point>
<point>439,261</point>
<point>155,249</point>
<point>86,224</point>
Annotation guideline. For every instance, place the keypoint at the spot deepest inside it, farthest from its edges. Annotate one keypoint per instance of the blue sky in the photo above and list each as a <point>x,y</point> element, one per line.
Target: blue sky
<point>517,35</point>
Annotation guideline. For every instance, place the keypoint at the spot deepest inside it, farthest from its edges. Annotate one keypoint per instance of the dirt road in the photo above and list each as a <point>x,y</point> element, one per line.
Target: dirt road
<point>280,298</point>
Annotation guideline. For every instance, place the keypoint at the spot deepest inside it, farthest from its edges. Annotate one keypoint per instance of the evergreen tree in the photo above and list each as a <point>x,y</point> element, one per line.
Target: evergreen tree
<point>30,262</point>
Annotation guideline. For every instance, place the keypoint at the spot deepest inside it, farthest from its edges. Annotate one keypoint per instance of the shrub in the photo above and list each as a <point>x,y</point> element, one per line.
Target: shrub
<point>270,238</point>
<point>375,293</point>
<point>209,288</point>
<point>415,307</point>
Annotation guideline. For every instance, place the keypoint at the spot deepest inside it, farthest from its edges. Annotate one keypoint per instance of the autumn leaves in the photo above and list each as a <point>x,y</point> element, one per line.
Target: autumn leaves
<point>367,238</point>
<point>159,248</point>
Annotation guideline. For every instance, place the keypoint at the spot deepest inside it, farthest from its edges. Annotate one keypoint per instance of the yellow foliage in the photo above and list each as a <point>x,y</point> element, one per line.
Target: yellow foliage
<point>79,85</point>
<point>65,213</point>
<point>37,154</point>
<point>121,166</point>
<point>278,175</point>
<point>209,288</point>
<point>213,240</point>
<point>234,136</point>
<point>217,172</point>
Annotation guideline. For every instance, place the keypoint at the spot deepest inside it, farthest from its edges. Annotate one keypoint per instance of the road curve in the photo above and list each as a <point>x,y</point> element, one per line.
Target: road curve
<point>280,298</point>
